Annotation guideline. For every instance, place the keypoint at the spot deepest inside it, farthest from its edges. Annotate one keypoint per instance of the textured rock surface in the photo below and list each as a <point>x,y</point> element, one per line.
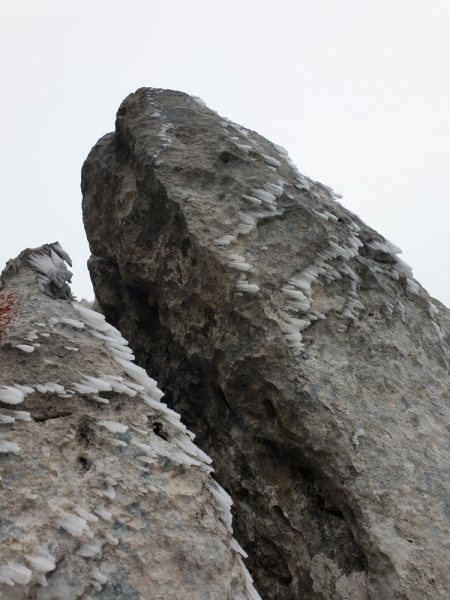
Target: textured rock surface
<point>103,495</point>
<point>292,339</point>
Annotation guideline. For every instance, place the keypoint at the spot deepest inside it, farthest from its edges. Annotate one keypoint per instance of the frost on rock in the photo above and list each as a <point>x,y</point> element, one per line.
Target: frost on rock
<point>53,275</point>
<point>354,439</point>
<point>84,461</point>
<point>224,504</point>
<point>41,560</point>
<point>14,573</point>
<point>11,395</point>
<point>25,348</point>
<point>114,427</point>
<point>7,447</point>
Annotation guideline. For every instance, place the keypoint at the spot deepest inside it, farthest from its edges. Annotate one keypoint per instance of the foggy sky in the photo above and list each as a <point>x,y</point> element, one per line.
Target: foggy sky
<point>357,92</point>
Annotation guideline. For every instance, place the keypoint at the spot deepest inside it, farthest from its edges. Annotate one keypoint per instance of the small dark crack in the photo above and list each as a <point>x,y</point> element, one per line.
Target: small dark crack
<point>56,415</point>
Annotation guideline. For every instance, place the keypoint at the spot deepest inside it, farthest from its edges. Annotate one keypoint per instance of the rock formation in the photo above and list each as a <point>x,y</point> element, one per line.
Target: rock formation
<point>292,339</point>
<point>104,494</point>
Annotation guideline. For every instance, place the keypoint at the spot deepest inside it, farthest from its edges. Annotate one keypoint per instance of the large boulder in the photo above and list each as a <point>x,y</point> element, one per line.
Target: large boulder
<point>104,494</point>
<point>292,339</point>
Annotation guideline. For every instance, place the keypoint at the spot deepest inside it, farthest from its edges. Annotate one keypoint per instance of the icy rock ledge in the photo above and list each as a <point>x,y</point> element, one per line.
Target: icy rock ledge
<point>103,490</point>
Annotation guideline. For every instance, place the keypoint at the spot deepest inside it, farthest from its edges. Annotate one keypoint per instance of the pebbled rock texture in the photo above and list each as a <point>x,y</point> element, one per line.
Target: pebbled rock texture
<point>292,339</point>
<point>103,493</point>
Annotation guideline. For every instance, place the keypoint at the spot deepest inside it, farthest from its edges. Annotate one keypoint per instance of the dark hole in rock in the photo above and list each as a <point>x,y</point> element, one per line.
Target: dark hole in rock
<point>384,257</point>
<point>83,464</point>
<point>106,395</point>
<point>185,245</point>
<point>273,563</point>
<point>226,157</point>
<point>85,435</point>
<point>241,495</point>
<point>271,413</point>
<point>334,511</point>
<point>307,473</point>
<point>160,431</point>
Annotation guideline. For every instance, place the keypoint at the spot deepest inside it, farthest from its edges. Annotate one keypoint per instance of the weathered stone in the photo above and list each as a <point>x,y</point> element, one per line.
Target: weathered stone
<point>103,495</point>
<point>292,339</point>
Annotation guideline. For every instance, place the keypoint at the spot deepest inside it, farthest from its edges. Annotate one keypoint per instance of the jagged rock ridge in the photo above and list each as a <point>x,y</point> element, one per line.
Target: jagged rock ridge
<point>103,492</point>
<point>293,340</point>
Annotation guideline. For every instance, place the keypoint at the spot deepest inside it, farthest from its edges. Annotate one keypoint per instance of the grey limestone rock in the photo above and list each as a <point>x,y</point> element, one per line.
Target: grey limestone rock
<point>103,492</point>
<point>292,339</point>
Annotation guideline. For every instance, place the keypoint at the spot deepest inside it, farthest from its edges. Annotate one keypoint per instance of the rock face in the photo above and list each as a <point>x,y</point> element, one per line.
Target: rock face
<point>104,494</point>
<point>293,341</point>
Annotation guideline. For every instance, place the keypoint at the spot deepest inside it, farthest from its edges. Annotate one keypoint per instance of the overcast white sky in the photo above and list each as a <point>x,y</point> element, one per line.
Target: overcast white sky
<point>358,91</point>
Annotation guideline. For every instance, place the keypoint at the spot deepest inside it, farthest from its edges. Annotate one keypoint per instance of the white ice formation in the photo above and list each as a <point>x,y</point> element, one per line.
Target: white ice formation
<point>331,263</point>
<point>52,269</point>
<point>166,126</point>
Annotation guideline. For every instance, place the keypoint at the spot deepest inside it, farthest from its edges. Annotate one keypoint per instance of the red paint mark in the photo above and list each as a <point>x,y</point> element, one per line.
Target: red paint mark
<point>9,309</point>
